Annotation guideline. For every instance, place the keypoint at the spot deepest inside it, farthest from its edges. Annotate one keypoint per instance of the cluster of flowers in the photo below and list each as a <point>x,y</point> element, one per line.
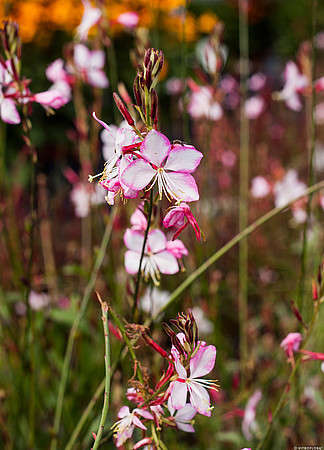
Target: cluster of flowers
<point>181,392</point>
<point>140,158</point>
<point>14,89</point>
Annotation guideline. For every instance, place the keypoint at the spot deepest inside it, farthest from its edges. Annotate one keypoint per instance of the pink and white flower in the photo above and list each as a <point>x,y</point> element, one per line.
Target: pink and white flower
<point>202,104</point>
<point>153,300</point>
<point>291,343</point>
<point>204,325</point>
<point>260,187</point>
<point>91,17</point>
<point>178,217</point>
<point>157,258</point>
<point>288,188</point>
<point>257,81</point>
<point>254,106</point>
<point>168,165</point>
<point>295,82</point>
<point>83,196</point>
<point>183,417</point>
<point>200,364</point>
<point>52,98</point>
<point>89,65</point>
<point>128,19</point>
<point>60,78</point>
<point>123,428</point>
<point>249,424</point>
<point>38,301</point>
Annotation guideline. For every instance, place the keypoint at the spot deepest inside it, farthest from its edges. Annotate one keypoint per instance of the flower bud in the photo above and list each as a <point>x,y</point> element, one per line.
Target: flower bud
<point>123,110</point>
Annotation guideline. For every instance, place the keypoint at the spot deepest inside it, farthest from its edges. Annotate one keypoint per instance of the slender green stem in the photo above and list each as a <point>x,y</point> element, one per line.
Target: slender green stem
<point>236,239</point>
<point>127,341</point>
<point>93,401</point>
<point>139,273</point>
<point>311,129</point>
<point>104,308</point>
<point>284,393</point>
<point>244,187</point>
<point>75,326</point>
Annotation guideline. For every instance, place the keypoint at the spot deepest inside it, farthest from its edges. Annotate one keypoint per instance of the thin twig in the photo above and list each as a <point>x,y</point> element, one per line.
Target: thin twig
<point>244,187</point>
<point>139,273</point>
<point>104,309</point>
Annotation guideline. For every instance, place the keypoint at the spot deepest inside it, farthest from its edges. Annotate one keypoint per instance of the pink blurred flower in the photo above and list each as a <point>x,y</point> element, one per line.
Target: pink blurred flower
<point>157,258</point>
<point>174,86</point>
<point>295,82</point>
<point>38,301</point>
<point>228,158</point>
<point>51,98</point>
<point>249,424</point>
<point>202,104</point>
<point>153,300</point>
<point>201,364</point>
<point>254,106</point>
<point>288,188</point>
<point>128,19</point>
<point>291,344</point>
<point>183,417</point>
<point>60,78</point>
<point>257,81</point>
<point>89,65</point>
<point>178,217</point>
<point>91,17</point>
<point>319,113</point>
<point>204,325</point>
<point>123,428</point>
<point>260,187</point>
<point>83,196</point>
<point>168,165</point>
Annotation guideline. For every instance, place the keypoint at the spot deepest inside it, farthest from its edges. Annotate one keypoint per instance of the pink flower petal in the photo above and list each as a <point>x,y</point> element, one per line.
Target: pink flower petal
<point>82,56</point>
<point>183,158</point>
<point>138,423</point>
<point>183,186</point>
<point>156,241</point>
<point>97,78</point>
<point>123,412</point>
<point>166,262</point>
<point>203,361</point>
<point>138,220</point>
<point>137,175</point>
<point>55,71</point>
<point>132,260</point>
<point>155,147</point>
<point>186,413</point>
<point>199,398</point>
<point>188,428</point>
<point>133,240</point>
<point>181,371</point>
<point>8,111</point>
<point>144,413</point>
<point>97,60</point>
<point>178,394</point>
